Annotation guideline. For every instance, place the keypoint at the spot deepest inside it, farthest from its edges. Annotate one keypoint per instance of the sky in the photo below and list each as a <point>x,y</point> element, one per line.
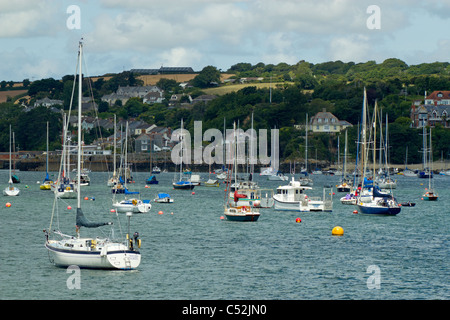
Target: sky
<point>39,38</point>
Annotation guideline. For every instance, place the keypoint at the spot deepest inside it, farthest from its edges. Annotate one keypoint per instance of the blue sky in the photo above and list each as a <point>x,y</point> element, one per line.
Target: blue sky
<point>36,43</point>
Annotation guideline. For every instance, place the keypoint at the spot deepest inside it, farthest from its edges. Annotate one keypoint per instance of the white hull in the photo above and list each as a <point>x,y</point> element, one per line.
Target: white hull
<point>11,191</point>
<point>110,256</point>
<point>302,206</point>
<point>277,177</point>
<point>134,206</point>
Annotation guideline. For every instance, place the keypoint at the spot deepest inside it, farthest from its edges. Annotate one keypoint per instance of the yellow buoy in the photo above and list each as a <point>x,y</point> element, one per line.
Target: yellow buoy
<point>337,231</point>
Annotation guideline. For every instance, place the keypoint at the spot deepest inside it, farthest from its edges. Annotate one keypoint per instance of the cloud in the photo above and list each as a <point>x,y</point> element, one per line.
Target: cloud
<point>350,48</point>
<point>28,18</point>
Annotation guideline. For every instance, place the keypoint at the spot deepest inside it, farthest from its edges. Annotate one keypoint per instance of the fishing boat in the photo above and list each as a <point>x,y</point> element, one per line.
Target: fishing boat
<point>89,252</point>
<point>10,190</point>
<point>293,197</point>
<point>156,170</point>
<point>430,194</point>
<point>234,210</point>
<point>163,198</point>
<point>183,182</point>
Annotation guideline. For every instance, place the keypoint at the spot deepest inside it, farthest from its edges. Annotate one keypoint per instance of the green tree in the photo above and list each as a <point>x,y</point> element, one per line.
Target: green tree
<point>207,77</point>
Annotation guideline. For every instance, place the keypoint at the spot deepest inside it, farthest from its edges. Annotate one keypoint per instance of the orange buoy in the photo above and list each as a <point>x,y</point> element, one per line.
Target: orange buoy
<point>222,217</point>
<point>8,204</point>
<point>355,211</point>
<point>160,212</point>
<point>298,220</point>
<point>86,198</point>
<point>112,210</point>
<point>193,192</point>
<point>69,208</point>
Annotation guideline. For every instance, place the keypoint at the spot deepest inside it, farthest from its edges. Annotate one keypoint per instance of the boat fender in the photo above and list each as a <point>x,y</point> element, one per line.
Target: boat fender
<point>93,244</point>
<point>67,188</point>
<point>134,202</point>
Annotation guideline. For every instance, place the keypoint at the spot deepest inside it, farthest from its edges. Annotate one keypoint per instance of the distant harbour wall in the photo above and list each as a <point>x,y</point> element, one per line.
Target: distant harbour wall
<point>141,163</point>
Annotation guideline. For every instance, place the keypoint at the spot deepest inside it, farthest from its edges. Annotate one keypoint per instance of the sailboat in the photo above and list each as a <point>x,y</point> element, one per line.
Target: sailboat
<point>14,177</point>
<point>430,194</point>
<point>64,188</point>
<point>133,204</point>
<point>89,252</point>
<point>407,172</point>
<point>155,170</point>
<point>10,190</point>
<point>371,200</point>
<point>426,172</point>
<point>345,185</point>
<point>232,209</point>
<point>306,181</point>
<point>47,183</point>
<point>182,183</point>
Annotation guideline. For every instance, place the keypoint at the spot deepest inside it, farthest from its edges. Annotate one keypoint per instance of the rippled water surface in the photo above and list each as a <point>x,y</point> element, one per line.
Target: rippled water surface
<point>188,252</point>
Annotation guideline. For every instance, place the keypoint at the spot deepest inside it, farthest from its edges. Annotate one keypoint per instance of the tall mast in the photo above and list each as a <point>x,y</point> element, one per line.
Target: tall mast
<point>79,126</point>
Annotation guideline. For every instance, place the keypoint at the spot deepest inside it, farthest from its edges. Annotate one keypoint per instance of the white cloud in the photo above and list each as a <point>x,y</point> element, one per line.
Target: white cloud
<point>352,48</point>
<point>28,18</point>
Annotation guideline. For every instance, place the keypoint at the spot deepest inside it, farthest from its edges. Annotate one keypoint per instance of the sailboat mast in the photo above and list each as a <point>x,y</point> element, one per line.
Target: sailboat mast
<point>10,178</point>
<point>79,126</point>
<point>306,144</point>
<point>431,164</point>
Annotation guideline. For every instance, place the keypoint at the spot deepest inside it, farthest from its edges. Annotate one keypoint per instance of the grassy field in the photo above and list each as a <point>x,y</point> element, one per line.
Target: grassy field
<point>5,94</point>
<point>236,87</point>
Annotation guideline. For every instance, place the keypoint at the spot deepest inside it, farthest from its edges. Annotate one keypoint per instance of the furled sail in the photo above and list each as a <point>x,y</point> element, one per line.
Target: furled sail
<point>82,221</point>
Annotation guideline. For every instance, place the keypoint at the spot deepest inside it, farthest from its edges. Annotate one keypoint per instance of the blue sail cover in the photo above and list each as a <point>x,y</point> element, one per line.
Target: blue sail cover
<point>163,195</point>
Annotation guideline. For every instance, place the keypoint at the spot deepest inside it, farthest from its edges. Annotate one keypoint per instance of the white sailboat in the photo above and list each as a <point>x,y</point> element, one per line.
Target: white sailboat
<point>430,194</point>
<point>306,181</point>
<point>64,188</point>
<point>130,204</point>
<point>89,252</point>
<point>10,190</point>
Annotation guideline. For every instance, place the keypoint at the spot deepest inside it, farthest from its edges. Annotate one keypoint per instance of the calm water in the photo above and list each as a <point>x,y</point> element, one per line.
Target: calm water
<point>193,254</point>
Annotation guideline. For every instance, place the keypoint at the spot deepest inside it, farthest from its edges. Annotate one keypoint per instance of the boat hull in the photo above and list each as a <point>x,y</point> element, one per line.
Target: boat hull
<point>94,259</point>
<point>12,192</point>
<point>242,215</point>
<point>183,186</point>
<point>302,206</point>
<point>380,210</point>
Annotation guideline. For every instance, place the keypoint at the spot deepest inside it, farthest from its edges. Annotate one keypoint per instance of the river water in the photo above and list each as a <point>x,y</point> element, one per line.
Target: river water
<point>189,253</point>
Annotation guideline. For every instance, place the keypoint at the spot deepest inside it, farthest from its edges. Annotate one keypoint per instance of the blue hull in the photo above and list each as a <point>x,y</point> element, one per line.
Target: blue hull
<point>379,210</point>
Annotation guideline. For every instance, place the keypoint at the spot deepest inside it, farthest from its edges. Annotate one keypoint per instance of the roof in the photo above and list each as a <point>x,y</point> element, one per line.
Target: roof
<point>438,95</point>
